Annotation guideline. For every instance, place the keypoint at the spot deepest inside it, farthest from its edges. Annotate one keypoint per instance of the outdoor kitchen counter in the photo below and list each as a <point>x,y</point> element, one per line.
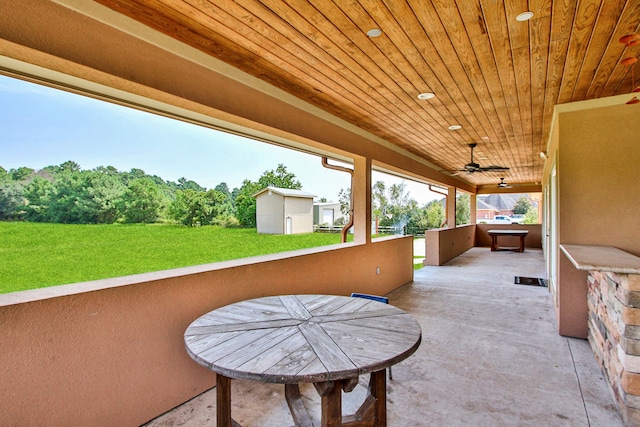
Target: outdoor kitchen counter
<point>601,258</point>
<point>613,317</point>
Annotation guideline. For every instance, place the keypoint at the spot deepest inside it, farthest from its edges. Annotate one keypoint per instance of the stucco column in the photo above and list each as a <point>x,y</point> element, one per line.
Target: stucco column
<point>451,208</point>
<point>361,192</point>
<point>473,204</point>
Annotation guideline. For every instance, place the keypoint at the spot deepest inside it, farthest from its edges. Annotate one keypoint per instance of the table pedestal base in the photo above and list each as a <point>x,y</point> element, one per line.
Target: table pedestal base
<point>372,412</point>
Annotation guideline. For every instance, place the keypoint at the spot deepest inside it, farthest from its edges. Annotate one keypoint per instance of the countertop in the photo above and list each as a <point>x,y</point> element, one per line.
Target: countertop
<point>602,258</point>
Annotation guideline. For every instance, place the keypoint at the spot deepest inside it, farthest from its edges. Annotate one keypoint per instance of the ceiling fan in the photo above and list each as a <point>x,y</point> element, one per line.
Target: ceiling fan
<point>503,184</point>
<point>472,166</point>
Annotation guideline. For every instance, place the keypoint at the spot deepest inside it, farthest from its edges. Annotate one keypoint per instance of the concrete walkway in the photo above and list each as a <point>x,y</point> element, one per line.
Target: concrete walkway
<point>490,356</point>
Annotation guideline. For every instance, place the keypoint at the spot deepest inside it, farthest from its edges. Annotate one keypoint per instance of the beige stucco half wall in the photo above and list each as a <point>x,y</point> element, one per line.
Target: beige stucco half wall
<point>111,352</point>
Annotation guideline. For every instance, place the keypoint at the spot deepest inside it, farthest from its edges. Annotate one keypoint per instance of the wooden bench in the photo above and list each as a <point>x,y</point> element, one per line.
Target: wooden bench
<point>496,233</point>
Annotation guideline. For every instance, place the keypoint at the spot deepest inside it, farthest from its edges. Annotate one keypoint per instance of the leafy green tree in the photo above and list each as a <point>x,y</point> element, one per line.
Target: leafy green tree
<point>400,205</point>
<point>107,170</point>
<point>435,214</point>
<point>379,200</point>
<point>193,207</point>
<point>69,166</point>
<point>531,217</point>
<point>71,202</point>
<point>143,201</point>
<point>522,206</point>
<point>38,194</point>
<point>394,206</point>
<point>279,178</point>
<point>21,173</point>
<point>245,203</point>
<point>429,217</point>
<point>224,189</point>
<point>107,193</point>
<point>11,200</point>
<point>463,209</point>
<point>4,175</point>
<point>78,197</point>
<point>344,198</point>
<point>185,184</point>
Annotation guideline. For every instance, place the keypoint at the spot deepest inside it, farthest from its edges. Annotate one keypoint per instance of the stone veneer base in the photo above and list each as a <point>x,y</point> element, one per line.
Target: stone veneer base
<point>614,336</point>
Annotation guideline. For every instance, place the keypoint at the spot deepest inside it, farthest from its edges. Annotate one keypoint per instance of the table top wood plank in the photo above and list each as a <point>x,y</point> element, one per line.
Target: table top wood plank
<point>328,352</point>
<point>281,350</point>
<point>243,326</point>
<point>508,232</point>
<point>200,343</point>
<point>381,312</point>
<point>211,355</point>
<point>328,306</point>
<point>302,338</point>
<point>394,323</point>
<point>355,305</point>
<point>245,351</point>
<point>291,367</point>
<point>295,307</point>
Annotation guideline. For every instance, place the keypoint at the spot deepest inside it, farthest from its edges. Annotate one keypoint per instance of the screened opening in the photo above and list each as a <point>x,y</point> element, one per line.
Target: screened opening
<point>91,190</point>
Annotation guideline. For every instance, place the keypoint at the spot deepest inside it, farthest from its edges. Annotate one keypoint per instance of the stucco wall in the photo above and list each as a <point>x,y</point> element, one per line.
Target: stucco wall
<point>599,163</point>
<point>270,211</point>
<point>444,244</point>
<point>111,352</point>
<point>300,210</point>
<point>598,204</point>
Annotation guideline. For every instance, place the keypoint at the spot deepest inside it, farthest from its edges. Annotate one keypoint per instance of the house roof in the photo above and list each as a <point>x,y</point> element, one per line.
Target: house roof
<point>482,205</point>
<point>286,192</point>
<point>500,201</point>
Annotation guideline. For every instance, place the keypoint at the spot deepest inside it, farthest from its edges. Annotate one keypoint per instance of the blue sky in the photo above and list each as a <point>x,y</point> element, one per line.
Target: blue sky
<point>40,126</point>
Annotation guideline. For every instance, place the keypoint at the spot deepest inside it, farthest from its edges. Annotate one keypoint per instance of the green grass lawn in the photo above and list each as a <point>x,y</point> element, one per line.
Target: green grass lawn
<point>36,255</point>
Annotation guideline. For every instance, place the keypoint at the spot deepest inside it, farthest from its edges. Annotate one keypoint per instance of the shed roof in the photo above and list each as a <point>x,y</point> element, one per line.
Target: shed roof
<point>286,192</point>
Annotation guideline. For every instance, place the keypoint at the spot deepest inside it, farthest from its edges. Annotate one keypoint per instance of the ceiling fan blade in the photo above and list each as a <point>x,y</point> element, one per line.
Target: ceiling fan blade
<point>493,168</point>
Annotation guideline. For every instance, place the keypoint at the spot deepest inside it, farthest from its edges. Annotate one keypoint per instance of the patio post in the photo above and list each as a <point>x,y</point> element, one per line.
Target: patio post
<point>361,194</point>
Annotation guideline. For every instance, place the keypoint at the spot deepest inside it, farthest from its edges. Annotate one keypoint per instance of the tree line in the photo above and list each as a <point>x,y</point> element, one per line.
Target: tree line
<point>68,194</point>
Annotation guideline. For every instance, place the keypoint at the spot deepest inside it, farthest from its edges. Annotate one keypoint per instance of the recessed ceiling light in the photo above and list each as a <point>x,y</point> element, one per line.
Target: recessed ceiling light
<point>426,95</point>
<point>524,16</point>
<point>374,32</point>
<point>455,127</point>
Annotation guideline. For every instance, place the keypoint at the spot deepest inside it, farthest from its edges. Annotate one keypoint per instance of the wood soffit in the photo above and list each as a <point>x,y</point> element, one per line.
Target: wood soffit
<point>495,76</point>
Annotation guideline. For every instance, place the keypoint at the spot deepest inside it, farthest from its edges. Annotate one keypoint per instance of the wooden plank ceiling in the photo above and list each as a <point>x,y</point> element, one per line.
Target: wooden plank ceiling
<point>497,77</point>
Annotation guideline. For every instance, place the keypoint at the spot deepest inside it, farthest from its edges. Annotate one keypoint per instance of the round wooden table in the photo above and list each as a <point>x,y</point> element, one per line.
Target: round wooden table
<point>326,340</point>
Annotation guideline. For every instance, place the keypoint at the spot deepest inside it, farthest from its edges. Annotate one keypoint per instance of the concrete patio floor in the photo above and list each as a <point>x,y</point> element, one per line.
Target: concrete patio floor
<point>490,356</point>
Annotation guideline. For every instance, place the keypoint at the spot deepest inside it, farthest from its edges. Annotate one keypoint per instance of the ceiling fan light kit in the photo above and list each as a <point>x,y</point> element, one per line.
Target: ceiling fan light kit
<point>503,184</point>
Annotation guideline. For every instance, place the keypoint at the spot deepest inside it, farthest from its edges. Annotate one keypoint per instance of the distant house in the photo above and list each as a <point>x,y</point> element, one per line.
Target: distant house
<point>490,205</point>
<point>326,213</point>
<point>485,210</point>
<point>284,211</point>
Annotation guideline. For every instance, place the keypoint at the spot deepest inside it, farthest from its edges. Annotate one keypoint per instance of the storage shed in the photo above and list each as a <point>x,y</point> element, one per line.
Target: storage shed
<point>284,211</point>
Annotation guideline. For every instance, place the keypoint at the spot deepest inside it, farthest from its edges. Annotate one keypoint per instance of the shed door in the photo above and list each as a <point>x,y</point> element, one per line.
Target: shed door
<point>327,216</point>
